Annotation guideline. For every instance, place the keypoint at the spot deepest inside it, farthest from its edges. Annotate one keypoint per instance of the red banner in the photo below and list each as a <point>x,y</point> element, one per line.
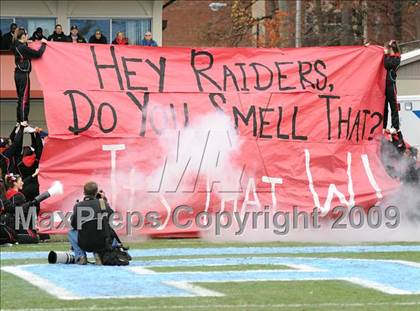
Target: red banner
<point>213,129</point>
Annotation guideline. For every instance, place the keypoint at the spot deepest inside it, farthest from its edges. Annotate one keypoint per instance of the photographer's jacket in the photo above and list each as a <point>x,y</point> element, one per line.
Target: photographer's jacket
<point>91,237</point>
<point>90,202</point>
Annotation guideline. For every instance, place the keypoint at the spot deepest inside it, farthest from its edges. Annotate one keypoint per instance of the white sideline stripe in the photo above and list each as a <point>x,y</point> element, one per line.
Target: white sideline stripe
<point>194,289</point>
<point>41,283</point>
<point>219,306</point>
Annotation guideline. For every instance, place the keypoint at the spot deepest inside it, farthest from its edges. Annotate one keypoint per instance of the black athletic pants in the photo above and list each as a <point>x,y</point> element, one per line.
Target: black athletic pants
<point>22,89</point>
<point>391,99</point>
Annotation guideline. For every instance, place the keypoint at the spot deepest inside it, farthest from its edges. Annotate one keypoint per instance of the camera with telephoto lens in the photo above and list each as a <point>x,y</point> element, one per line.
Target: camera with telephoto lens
<point>100,195</point>
<point>61,257</point>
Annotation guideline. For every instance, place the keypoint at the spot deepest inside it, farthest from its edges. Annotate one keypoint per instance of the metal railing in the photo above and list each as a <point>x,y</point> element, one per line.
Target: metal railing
<point>409,46</point>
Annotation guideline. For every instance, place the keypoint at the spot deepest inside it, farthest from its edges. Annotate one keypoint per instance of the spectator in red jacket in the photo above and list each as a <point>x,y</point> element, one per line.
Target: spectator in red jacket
<point>120,39</point>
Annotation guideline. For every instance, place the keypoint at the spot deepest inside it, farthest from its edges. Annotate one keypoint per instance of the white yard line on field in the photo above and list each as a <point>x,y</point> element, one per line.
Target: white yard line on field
<point>41,283</point>
<point>193,289</point>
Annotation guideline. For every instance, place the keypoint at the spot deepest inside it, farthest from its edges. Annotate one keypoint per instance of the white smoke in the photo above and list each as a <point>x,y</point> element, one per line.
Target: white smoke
<point>192,162</point>
<point>199,158</point>
<point>399,216</point>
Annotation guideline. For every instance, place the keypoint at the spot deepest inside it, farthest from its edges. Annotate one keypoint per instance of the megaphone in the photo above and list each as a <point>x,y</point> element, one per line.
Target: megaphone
<point>55,189</point>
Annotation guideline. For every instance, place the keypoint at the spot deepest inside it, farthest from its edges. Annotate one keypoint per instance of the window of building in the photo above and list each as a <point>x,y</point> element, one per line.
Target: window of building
<point>30,24</point>
<point>134,29</point>
<point>5,24</point>
<point>88,27</point>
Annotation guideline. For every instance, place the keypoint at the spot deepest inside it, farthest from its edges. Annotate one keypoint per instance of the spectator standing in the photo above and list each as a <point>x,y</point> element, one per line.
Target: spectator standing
<point>58,35</point>
<point>7,40</point>
<point>75,36</point>
<point>120,39</point>
<point>148,40</point>
<point>38,35</point>
<point>23,56</point>
<point>98,38</point>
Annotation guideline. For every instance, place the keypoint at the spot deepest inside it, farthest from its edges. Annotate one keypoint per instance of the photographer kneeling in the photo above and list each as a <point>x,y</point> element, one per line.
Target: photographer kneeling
<point>91,231</point>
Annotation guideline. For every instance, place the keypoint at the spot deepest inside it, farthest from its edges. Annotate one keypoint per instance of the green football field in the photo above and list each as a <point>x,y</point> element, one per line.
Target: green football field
<point>191,274</point>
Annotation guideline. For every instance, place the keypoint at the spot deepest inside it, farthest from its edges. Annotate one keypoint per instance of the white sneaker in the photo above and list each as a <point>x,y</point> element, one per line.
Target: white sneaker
<point>24,123</point>
<point>393,131</point>
<point>29,129</point>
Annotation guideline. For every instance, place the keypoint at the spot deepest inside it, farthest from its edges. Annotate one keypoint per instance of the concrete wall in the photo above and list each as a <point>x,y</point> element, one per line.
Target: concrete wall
<point>8,115</point>
<point>63,10</point>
